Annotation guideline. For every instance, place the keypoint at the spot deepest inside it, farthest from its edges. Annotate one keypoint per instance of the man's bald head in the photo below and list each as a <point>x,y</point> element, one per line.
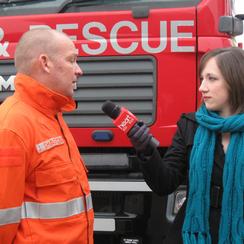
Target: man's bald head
<point>32,44</point>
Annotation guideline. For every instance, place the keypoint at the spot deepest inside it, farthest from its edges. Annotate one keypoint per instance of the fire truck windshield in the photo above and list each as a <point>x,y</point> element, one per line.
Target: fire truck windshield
<point>32,7</point>
<point>80,1</point>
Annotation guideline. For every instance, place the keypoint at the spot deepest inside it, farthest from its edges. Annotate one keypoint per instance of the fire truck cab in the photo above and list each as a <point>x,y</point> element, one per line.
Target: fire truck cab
<point>142,55</point>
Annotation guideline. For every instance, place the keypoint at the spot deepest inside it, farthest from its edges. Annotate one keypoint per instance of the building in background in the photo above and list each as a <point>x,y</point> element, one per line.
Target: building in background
<point>239,9</point>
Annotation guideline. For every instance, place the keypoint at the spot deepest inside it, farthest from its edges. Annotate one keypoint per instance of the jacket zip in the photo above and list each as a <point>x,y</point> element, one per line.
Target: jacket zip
<point>86,212</point>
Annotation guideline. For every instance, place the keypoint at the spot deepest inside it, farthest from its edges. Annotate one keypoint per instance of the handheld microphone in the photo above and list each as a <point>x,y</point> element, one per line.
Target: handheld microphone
<point>124,119</point>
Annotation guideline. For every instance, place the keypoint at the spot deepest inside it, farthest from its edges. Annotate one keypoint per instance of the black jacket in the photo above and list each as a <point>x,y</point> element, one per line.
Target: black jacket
<point>165,174</point>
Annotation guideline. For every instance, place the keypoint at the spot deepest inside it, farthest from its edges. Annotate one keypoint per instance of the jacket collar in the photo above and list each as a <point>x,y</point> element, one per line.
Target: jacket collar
<point>41,97</point>
<point>190,116</point>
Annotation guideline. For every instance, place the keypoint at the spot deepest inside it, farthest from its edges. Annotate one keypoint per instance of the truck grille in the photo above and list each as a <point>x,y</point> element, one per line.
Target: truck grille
<point>126,81</point>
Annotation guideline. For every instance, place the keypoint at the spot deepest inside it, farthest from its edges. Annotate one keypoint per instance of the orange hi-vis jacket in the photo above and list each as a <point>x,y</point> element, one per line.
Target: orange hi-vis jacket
<point>44,192</point>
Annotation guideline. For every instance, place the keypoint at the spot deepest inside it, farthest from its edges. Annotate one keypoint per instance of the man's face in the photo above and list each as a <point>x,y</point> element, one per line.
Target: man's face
<point>64,68</point>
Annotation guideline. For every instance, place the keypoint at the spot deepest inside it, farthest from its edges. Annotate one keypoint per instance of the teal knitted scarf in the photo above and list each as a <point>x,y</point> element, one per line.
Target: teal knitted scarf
<point>196,224</point>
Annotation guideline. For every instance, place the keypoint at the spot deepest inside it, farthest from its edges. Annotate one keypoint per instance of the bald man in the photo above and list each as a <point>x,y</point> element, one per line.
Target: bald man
<point>44,191</point>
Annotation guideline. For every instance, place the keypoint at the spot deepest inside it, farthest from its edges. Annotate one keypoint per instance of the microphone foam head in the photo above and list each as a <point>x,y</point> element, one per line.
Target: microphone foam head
<point>111,109</point>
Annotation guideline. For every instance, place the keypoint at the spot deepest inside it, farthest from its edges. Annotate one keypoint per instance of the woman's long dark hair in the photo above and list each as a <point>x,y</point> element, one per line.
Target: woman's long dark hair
<point>230,62</point>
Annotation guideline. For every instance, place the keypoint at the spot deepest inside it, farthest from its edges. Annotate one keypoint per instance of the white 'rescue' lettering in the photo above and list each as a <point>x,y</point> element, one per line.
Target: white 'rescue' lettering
<point>101,40</point>
<point>4,45</point>
<point>97,44</point>
<point>1,34</point>
<point>7,85</point>
<point>114,39</point>
<point>163,40</point>
<point>61,27</point>
<point>39,26</point>
<point>176,35</point>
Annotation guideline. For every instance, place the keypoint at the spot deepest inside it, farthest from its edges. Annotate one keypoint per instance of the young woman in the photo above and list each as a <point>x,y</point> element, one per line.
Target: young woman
<point>207,153</point>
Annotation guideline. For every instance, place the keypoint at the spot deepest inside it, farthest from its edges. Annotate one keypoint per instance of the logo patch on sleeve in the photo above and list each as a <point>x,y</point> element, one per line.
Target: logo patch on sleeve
<point>50,143</point>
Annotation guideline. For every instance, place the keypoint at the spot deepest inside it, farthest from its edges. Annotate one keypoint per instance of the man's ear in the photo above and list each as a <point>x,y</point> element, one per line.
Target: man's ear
<point>45,62</point>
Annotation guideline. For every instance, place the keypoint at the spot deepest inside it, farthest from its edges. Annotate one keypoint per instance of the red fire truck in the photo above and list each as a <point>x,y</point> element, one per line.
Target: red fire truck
<point>142,55</point>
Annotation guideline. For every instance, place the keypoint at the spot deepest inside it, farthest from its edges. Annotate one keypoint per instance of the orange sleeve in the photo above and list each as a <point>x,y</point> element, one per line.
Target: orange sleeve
<point>12,183</point>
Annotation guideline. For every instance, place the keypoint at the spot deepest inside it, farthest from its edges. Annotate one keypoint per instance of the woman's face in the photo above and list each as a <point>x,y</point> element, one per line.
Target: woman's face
<point>214,89</point>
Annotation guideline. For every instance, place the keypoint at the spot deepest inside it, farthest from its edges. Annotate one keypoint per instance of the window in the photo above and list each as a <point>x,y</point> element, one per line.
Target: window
<point>27,7</point>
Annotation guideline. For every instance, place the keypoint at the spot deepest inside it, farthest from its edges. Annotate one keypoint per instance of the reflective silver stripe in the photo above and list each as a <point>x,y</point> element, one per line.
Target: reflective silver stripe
<point>10,215</point>
<point>57,210</point>
<point>89,202</point>
<point>35,210</point>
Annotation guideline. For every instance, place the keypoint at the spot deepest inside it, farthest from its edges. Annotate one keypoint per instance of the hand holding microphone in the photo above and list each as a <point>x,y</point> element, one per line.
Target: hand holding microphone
<point>140,138</point>
<point>138,132</point>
